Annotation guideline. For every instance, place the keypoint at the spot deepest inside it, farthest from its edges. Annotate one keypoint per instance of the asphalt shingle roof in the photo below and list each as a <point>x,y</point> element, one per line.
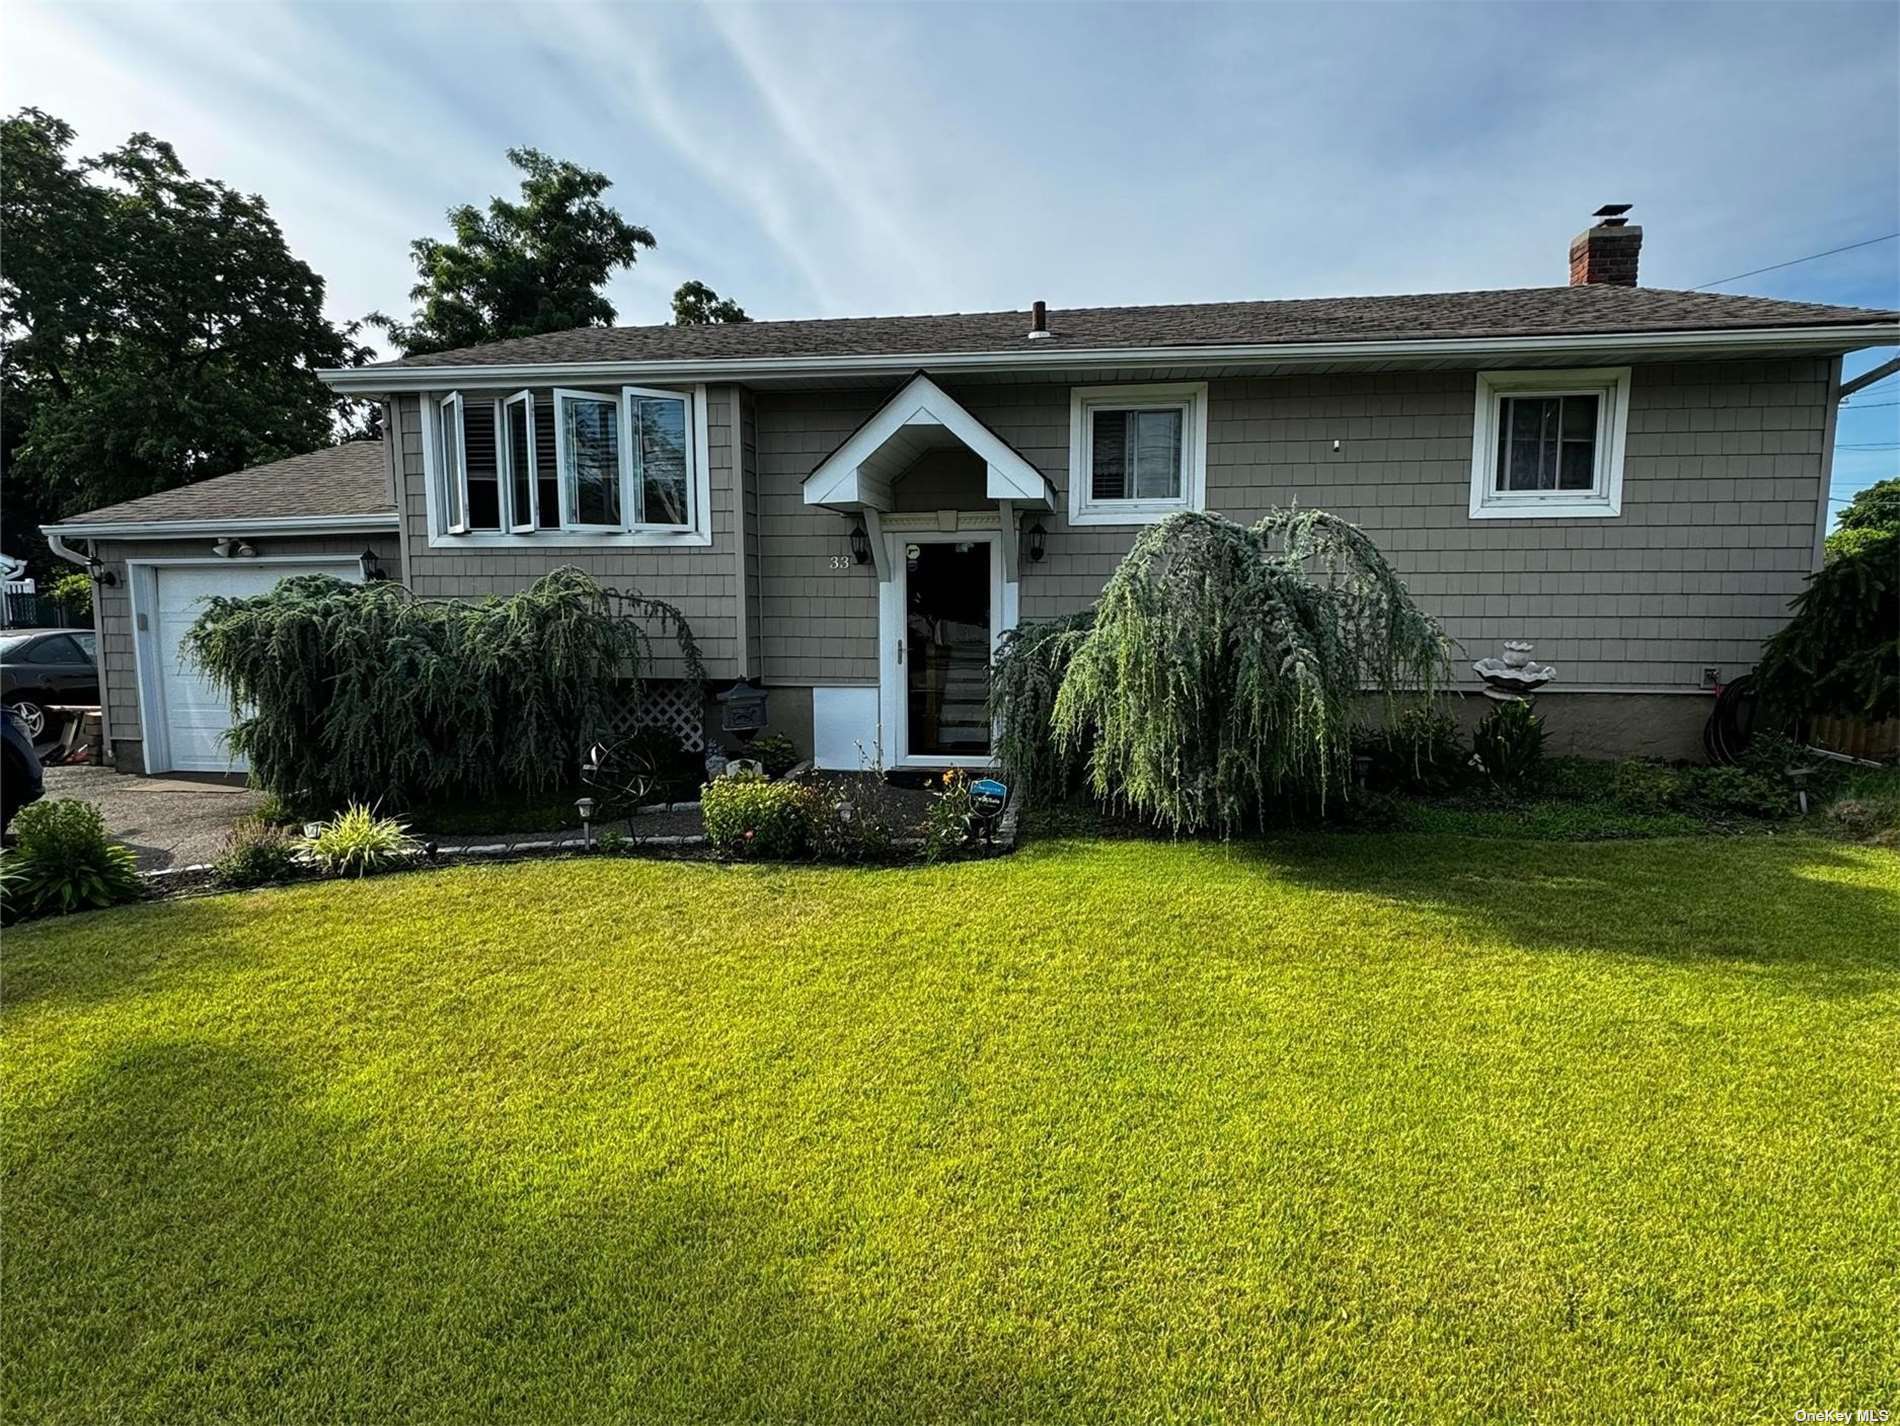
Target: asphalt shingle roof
<point>338,480</point>
<point>1529,311</point>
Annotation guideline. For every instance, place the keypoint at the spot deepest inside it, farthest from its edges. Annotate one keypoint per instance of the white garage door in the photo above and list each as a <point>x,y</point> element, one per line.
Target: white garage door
<point>194,715</point>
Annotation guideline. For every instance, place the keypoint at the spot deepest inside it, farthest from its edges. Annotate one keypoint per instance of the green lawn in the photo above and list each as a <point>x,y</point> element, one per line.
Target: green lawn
<point>1371,1128</point>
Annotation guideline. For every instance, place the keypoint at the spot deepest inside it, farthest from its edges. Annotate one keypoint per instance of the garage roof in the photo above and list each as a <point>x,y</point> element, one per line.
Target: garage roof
<point>339,487</point>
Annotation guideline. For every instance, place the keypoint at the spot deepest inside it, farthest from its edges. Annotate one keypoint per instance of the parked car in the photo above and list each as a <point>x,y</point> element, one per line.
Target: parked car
<point>20,778</point>
<point>44,668</point>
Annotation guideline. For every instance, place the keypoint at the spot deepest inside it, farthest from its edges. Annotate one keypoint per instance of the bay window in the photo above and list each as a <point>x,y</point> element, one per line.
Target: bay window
<point>620,465</point>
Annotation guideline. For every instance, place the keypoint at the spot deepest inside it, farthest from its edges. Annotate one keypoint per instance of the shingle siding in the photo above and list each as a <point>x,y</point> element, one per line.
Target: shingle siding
<point>699,580</point>
<point>818,624</point>
<point>1723,477</point>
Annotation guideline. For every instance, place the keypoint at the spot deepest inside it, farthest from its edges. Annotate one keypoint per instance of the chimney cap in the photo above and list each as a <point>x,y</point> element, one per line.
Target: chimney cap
<point>1610,215</point>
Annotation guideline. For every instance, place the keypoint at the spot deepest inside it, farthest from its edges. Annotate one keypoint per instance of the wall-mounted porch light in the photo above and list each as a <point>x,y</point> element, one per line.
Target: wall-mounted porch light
<point>101,576</point>
<point>372,567</point>
<point>860,544</point>
<point>1038,542</point>
<point>228,548</point>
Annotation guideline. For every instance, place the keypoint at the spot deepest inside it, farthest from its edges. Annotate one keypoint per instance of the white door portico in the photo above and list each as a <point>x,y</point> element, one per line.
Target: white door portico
<point>857,478</point>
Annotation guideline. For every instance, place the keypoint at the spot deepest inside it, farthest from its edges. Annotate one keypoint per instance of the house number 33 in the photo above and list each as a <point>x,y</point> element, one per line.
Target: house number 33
<point>841,561</point>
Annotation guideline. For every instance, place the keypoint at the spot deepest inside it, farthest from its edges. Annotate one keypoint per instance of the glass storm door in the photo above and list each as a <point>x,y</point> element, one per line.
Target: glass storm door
<point>947,623</point>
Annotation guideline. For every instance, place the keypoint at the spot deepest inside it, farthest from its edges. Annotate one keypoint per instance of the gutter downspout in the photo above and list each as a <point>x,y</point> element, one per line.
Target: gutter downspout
<point>1830,423</point>
<point>57,543</point>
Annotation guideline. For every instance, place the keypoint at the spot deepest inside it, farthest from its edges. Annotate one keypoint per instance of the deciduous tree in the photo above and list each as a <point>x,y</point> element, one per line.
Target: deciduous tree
<point>521,268</point>
<point>154,329</point>
<point>697,305</point>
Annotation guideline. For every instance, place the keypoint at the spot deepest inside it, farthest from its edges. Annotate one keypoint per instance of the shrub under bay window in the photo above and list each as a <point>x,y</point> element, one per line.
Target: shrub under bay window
<point>603,465</point>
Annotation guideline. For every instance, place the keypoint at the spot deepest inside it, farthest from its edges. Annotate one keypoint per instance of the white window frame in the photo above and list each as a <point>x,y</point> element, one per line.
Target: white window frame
<point>1189,398</point>
<point>563,396</point>
<point>1610,385</point>
<point>443,535</point>
<point>519,522</point>
<point>636,485</point>
<point>448,484</point>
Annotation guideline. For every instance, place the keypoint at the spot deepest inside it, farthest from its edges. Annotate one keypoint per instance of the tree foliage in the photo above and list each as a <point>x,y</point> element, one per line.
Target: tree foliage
<point>697,305</point>
<point>1872,510</point>
<point>521,268</point>
<point>364,693</point>
<point>1840,654</point>
<point>1224,663</point>
<point>156,329</point>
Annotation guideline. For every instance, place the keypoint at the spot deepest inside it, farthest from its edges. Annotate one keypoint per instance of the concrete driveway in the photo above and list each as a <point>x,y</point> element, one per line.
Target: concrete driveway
<point>172,821</point>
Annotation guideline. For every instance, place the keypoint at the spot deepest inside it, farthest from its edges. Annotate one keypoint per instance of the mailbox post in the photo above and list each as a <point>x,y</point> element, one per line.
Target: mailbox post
<point>742,709</point>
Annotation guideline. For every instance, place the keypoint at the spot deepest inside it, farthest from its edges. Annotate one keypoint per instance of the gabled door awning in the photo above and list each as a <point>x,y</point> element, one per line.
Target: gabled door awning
<point>920,418</point>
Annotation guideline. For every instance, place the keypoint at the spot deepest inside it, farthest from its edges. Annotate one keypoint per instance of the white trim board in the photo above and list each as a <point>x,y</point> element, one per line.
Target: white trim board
<point>842,479</point>
<point>264,525</point>
<point>381,381</point>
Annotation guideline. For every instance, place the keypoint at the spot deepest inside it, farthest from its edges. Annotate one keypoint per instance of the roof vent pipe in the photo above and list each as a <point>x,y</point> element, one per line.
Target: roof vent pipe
<point>1039,322</point>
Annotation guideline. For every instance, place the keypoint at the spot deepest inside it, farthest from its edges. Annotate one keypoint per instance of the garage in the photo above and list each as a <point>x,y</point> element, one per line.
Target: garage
<point>155,560</point>
<point>184,717</point>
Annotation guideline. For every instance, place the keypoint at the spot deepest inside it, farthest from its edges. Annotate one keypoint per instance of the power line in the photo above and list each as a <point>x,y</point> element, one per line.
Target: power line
<point>1792,262</point>
<point>1851,405</point>
<point>1871,446</point>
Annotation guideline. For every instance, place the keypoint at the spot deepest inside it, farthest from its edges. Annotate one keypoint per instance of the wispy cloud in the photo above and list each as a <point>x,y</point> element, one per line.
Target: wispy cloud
<point>811,159</point>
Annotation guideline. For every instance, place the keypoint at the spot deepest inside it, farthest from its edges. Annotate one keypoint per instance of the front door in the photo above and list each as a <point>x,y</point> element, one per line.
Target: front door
<point>946,649</point>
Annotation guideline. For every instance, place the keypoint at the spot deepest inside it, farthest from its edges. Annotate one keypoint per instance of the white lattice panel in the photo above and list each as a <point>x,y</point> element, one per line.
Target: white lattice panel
<point>674,706</point>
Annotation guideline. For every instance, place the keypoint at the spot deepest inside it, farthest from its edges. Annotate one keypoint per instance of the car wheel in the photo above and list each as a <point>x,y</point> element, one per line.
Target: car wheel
<point>31,716</point>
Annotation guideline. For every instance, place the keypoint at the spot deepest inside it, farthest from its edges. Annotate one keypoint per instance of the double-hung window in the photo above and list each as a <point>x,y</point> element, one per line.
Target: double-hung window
<point>599,464</point>
<point>1549,444</point>
<point>1137,454</point>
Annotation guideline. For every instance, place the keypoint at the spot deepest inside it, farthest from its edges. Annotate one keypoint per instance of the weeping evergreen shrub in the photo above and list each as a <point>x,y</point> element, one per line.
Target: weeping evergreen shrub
<point>1224,662</point>
<point>365,693</point>
<point>1024,681</point>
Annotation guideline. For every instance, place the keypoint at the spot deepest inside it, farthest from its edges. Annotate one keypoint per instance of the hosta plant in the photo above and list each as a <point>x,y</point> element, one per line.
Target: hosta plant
<point>65,862</point>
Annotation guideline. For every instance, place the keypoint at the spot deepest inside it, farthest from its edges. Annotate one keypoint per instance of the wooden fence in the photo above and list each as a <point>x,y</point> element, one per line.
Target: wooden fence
<point>1857,738</point>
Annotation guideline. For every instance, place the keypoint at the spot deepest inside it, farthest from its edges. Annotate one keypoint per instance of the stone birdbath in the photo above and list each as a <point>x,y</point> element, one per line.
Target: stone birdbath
<point>1515,677</point>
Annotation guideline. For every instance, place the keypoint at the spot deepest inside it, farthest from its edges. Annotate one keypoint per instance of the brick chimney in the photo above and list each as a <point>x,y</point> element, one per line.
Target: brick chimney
<point>1607,251</point>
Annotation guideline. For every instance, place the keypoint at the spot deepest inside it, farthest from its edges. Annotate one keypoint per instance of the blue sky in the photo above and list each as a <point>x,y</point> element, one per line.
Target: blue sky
<point>815,160</point>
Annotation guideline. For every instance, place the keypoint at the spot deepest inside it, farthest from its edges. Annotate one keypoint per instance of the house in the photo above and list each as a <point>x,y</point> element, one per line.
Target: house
<point>851,512</point>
